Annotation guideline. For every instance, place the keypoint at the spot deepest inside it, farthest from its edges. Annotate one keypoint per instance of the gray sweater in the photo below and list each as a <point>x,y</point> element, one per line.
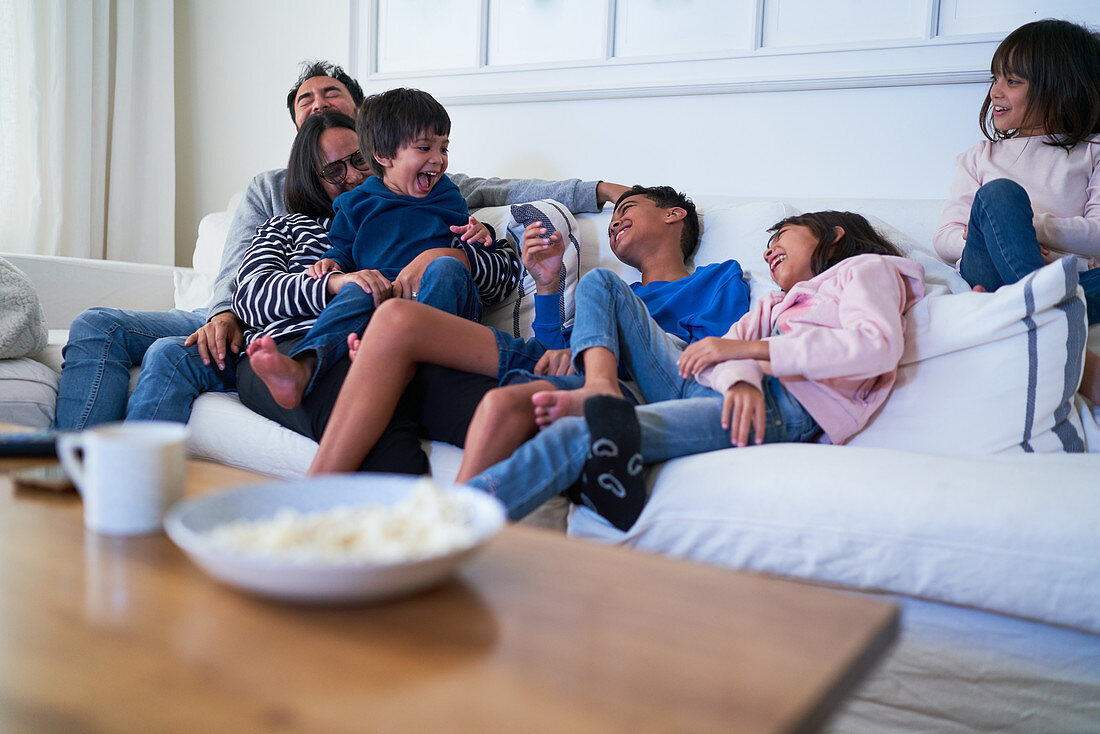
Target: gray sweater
<point>263,199</point>
<point>22,325</point>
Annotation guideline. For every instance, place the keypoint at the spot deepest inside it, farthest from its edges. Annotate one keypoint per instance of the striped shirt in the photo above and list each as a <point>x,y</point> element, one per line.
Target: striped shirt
<point>275,296</point>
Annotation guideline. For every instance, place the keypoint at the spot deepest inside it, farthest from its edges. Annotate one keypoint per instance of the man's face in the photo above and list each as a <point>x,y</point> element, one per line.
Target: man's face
<point>638,225</point>
<point>321,93</point>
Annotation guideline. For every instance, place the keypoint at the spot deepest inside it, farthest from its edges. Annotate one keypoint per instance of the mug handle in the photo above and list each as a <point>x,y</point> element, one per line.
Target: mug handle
<point>67,445</point>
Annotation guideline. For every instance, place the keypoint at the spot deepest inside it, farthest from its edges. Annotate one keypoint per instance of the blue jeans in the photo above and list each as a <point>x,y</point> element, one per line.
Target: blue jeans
<point>551,461</point>
<point>446,285</point>
<point>172,377</point>
<point>609,315</point>
<point>104,343</point>
<point>1002,247</point>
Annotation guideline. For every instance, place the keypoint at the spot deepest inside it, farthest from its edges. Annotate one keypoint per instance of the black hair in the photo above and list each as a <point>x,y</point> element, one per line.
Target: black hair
<point>394,118</point>
<point>311,69</point>
<point>305,192</point>
<point>667,197</point>
<point>859,237</point>
<point>1061,63</point>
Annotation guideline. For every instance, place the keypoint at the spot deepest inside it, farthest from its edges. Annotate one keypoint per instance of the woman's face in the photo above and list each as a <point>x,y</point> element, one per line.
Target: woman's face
<point>340,144</point>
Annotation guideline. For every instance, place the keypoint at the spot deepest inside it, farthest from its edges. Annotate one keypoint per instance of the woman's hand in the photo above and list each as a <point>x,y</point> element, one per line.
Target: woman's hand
<point>711,350</point>
<point>473,231</point>
<point>555,362</point>
<point>322,266</point>
<point>410,276</point>
<point>742,409</point>
<point>542,256</point>
<point>371,281</point>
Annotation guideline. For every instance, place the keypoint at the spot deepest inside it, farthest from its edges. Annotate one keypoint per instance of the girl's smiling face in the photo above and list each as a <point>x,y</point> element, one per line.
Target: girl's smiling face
<point>790,253</point>
<point>1008,94</point>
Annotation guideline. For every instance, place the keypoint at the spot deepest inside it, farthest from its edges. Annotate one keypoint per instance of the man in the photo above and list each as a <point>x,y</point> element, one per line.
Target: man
<point>192,350</point>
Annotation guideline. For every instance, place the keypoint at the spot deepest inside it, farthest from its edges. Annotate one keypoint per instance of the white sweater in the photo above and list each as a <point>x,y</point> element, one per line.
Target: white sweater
<point>1064,189</point>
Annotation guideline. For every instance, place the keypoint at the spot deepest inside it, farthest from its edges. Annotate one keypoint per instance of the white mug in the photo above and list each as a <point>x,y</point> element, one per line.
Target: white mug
<point>129,475</point>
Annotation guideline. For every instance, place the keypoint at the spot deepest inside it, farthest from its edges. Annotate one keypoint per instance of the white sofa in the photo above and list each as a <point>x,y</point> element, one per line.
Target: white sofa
<point>992,556</point>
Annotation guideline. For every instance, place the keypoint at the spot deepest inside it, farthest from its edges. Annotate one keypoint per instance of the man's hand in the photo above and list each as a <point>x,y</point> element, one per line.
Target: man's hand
<point>371,281</point>
<point>220,331</point>
<point>555,362</point>
<point>322,266</point>
<point>408,280</point>
<point>711,350</point>
<point>607,191</point>
<point>473,231</point>
<point>742,409</point>
<point>542,256</point>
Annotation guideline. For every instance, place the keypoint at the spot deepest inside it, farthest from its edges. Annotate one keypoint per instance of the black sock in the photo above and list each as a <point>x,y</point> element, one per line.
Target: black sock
<point>612,482</point>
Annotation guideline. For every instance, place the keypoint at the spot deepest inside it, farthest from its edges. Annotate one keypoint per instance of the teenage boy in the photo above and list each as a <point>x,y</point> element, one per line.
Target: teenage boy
<point>104,343</point>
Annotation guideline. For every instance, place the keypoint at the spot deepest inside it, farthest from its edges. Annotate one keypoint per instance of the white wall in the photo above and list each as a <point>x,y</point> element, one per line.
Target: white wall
<point>236,60</point>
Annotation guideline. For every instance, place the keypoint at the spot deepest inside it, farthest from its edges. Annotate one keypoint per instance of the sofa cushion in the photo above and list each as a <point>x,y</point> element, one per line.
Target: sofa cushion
<point>28,392</point>
<point>1011,534</point>
<point>985,373</point>
<point>195,287</point>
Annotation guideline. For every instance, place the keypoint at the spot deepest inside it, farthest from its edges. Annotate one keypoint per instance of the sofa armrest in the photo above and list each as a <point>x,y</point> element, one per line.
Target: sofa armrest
<point>68,285</point>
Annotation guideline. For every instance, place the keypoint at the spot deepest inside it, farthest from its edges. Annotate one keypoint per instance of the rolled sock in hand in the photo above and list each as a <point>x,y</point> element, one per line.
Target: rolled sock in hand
<point>612,482</point>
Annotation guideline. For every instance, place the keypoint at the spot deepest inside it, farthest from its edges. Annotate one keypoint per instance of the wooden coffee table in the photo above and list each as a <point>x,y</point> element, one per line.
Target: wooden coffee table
<point>538,634</point>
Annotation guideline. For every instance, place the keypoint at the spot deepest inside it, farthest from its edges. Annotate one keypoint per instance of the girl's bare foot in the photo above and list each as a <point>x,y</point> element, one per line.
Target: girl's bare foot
<point>285,378</point>
<point>553,404</point>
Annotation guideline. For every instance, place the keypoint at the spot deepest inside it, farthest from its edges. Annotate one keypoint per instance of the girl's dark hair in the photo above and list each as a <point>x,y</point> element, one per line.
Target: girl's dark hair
<point>394,118</point>
<point>667,197</point>
<point>305,192</point>
<point>859,237</point>
<point>1061,63</point>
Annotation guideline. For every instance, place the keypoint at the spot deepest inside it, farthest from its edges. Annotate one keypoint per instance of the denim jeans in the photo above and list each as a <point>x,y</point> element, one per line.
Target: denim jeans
<point>551,461</point>
<point>104,343</point>
<point>1002,247</point>
<point>609,315</point>
<point>446,285</point>
<point>172,377</point>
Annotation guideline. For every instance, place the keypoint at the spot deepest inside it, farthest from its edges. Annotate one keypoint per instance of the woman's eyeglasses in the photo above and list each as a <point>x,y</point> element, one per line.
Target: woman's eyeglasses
<point>336,172</point>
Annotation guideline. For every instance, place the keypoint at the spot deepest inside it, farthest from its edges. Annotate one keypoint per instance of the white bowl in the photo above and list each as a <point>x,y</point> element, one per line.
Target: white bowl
<point>188,522</point>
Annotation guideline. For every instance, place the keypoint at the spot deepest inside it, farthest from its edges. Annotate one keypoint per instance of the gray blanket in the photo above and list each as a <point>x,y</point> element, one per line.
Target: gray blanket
<point>22,326</point>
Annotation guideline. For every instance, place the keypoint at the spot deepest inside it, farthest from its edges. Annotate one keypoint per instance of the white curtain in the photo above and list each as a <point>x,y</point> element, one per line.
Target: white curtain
<point>87,129</point>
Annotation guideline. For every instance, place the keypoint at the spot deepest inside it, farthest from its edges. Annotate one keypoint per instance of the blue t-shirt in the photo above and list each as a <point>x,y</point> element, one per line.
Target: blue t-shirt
<point>376,229</point>
<point>706,303</point>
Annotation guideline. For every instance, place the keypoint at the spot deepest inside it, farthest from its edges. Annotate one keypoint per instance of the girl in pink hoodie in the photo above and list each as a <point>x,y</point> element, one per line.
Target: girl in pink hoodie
<point>819,356</point>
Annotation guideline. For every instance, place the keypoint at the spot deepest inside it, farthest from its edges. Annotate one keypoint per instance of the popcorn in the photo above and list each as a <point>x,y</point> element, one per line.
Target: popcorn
<point>427,522</point>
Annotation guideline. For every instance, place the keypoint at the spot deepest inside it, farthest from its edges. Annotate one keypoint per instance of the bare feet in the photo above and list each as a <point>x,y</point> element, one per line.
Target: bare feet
<point>286,378</point>
<point>553,404</point>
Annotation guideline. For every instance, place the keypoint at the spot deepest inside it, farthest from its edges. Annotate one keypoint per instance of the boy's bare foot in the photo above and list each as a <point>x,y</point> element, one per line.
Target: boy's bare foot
<point>553,404</point>
<point>285,378</point>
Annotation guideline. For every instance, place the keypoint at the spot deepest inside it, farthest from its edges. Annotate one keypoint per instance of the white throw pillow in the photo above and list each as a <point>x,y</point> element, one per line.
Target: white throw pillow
<point>986,373</point>
<point>516,313</point>
<point>195,287</point>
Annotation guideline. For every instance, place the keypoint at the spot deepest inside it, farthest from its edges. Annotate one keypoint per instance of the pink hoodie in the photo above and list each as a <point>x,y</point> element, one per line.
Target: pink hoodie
<point>839,357</point>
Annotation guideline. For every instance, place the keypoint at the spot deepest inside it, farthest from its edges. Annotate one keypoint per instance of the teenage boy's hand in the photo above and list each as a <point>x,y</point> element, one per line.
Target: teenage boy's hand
<point>742,409</point>
<point>555,362</point>
<point>408,280</point>
<point>322,266</point>
<point>473,231</point>
<point>221,331</point>
<point>542,256</point>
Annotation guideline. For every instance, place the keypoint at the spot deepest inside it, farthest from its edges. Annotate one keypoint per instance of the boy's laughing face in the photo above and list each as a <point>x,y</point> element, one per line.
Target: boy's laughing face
<point>417,165</point>
<point>637,225</point>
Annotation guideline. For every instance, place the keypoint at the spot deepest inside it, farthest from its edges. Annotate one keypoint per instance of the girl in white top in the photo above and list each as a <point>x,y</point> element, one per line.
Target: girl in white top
<point>1030,194</point>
